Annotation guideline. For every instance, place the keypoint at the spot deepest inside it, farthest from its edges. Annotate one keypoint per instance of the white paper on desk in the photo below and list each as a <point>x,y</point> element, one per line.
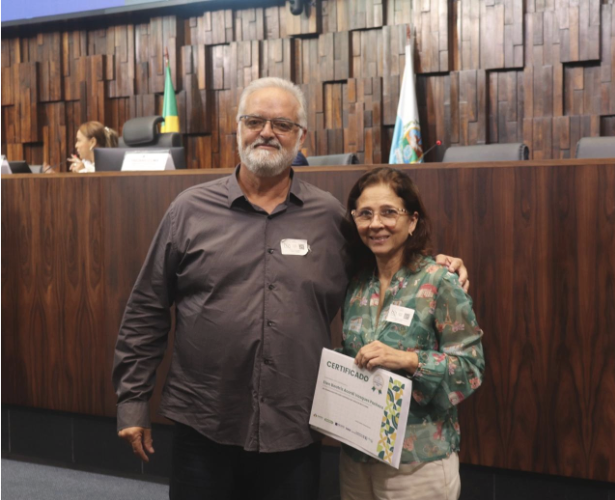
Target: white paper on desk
<point>146,160</point>
<point>6,169</point>
<point>363,409</point>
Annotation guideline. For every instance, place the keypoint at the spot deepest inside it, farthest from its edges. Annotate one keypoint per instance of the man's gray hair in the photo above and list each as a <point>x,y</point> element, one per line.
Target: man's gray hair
<point>280,83</point>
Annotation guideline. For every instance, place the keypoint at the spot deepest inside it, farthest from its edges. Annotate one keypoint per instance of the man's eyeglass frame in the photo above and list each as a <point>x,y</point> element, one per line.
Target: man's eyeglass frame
<point>274,123</point>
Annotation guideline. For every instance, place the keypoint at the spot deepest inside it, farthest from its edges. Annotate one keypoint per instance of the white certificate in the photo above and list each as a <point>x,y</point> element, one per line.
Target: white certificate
<point>363,409</point>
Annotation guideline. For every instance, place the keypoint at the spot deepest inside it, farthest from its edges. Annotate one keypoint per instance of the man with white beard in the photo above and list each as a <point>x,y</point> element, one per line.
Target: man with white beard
<point>253,263</point>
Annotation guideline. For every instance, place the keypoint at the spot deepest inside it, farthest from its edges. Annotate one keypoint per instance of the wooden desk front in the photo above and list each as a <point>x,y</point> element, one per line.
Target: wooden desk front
<point>538,238</point>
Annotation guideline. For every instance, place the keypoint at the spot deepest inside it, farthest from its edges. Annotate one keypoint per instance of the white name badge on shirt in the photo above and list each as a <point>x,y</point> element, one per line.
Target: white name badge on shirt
<point>294,247</point>
<point>401,315</point>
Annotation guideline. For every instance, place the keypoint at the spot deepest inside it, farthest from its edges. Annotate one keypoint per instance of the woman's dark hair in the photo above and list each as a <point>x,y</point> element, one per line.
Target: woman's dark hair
<point>360,257</point>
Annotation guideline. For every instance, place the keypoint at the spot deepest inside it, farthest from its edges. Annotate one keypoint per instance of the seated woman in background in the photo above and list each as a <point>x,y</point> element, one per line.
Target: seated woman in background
<point>440,350</point>
<point>89,136</point>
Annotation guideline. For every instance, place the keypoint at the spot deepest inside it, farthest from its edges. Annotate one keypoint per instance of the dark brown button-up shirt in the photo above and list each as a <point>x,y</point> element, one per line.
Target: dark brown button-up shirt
<point>250,320</point>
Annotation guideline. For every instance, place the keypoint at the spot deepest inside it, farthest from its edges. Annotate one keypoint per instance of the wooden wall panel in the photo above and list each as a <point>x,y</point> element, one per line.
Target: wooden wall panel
<point>59,290</point>
<point>329,16</point>
<point>436,90</point>
<point>578,24</point>
<point>74,47</point>
<point>165,35</point>
<point>244,62</point>
<point>398,12</point>
<point>501,34</point>
<point>467,20</point>
<point>25,78</point>
<point>309,22</point>
<point>607,63</point>
<point>607,126</point>
<point>359,14</point>
<point>8,93</point>
<point>278,59</point>
<point>507,64</point>
<point>506,107</point>
<point>47,53</point>
<point>431,23</point>
<point>54,134</point>
<point>249,24</point>
<point>470,104</point>
<point>121,65</point>
<point>275,22</point>
<point>367,53</point>
<point>362,119</point>
<point>212,28</point>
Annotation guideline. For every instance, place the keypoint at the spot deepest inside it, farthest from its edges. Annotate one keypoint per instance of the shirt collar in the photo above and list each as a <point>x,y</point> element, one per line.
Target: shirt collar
<point>296,193</point>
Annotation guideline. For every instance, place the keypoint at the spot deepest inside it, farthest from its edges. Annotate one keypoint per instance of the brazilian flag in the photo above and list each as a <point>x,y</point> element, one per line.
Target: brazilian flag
<point>169,107</point>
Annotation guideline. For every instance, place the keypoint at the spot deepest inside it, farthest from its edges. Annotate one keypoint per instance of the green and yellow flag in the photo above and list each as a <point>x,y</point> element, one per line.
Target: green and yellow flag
<point>169,106</point>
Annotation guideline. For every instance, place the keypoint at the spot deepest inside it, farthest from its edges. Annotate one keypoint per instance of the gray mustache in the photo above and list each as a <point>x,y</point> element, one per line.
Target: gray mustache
<point>260,142</point>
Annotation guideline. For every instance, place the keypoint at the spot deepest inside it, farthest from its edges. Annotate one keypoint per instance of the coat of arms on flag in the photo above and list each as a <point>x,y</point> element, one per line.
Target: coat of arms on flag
<point>407,146</point>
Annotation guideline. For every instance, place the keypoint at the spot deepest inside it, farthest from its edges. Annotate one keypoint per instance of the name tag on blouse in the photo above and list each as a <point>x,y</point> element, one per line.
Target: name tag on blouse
<point>400,315</point>
<point>291,246</point>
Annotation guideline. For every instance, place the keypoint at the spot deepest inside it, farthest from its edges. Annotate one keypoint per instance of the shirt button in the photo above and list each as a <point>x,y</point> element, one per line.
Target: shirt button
<point>271,287</point>
<point>268,361</point>
<point>270,250</point>
<point>262,400</point>
<point>269,323</point>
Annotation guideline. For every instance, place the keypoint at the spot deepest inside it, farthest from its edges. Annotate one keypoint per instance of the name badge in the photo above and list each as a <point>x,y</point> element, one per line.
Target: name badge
<point>400,315</point>
<point>294,247</point>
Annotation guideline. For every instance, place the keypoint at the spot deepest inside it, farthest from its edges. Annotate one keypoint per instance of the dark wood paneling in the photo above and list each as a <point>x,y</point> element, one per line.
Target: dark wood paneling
<point>562,51</point>
<point>542,283</point>
<point>56,286</point>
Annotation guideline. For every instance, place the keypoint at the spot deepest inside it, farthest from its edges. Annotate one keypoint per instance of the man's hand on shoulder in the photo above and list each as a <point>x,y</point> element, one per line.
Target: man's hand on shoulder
<point>455,265</point>
<point>140,439</point>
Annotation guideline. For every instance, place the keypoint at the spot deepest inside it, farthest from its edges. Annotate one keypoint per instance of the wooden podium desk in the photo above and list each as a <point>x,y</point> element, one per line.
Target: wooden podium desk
<point>538,239</point>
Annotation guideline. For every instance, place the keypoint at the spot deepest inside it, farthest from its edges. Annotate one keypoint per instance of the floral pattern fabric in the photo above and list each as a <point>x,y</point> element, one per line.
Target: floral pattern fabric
<point>444,334</point>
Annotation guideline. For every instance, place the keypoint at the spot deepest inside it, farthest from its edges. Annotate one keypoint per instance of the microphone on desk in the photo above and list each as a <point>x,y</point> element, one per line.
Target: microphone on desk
<point>438,143</point>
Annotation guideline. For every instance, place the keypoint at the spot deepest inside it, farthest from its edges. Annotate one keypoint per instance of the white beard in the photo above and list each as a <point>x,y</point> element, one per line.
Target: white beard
<point>265,163</point>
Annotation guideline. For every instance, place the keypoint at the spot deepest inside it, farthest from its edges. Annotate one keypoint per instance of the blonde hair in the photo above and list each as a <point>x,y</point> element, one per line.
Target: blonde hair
<point>105,137</point>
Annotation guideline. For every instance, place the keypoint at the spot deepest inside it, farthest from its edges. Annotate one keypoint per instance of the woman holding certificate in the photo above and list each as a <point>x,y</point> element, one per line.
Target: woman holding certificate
<point>403,312</point>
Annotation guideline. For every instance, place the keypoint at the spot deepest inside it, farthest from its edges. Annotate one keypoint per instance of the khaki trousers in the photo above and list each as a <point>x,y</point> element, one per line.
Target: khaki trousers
<point>437,480</point>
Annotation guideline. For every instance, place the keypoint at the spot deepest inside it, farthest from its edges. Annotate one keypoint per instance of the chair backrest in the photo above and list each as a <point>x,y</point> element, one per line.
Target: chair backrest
<point>596,147</point>
<point>345,159</point>
<point>143,133</point>
<point>487,152</point>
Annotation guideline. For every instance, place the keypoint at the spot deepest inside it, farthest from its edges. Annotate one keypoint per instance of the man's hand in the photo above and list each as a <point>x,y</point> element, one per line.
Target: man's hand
<point>140,439</point>
<point>455,265</point>
<point>376,354</point>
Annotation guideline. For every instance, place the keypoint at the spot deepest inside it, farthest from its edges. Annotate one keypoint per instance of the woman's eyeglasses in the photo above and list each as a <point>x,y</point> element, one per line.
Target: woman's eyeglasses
<point>278,125</point>
<point>387,216</point>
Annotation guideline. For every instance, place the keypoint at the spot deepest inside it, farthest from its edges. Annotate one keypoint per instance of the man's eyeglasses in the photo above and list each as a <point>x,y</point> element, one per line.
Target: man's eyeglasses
<point>278,125</point>
<point>387,216</point>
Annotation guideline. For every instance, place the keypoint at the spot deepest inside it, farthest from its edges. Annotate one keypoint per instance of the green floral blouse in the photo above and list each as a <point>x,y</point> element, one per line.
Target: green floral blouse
<point>443,333</point>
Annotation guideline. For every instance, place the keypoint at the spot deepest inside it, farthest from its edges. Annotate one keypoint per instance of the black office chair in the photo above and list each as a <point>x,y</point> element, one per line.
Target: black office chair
<point>143,133</point>
<point>345,159</point>
<point>486,152</point>
<point>596,147</point>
